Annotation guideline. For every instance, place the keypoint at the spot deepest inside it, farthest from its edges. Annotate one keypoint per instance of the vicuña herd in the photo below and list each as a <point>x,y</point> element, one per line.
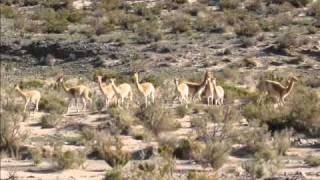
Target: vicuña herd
<point>186,90</point>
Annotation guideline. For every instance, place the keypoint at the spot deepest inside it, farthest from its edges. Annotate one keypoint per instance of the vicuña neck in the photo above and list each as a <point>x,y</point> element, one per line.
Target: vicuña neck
<point>138,85</point>
<point>100,85</point>
<point>290,87</point>
<point>115,88</point>
<point>65,88</point>
<point>21,92</point>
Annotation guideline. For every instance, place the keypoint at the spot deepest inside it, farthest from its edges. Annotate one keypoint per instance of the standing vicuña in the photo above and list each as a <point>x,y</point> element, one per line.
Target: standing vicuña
<point>146,89</point>
<point>276,89</point>
<point>106,90</point>
<point>183,91</point>
<point>75,92</point>
<point>123,91</point>
<point>196,89</point>
<point>218,92</point>
<point>32,96</point>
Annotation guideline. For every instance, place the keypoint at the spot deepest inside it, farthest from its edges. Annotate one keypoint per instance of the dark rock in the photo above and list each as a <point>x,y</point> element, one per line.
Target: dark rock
<point>143,154</point>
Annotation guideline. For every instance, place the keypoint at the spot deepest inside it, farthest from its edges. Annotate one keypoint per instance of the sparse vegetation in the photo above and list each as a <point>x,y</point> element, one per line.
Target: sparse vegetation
<point>50,120</point>
<point>313,161</point>
<point>68,159</point>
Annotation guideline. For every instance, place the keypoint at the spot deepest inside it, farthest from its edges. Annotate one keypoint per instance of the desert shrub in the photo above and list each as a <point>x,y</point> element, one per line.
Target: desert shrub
<point>182,111</point>
<point>57,4</point>
<point>157,81</point>
<point>11,135</point>
<point>98,104</point>
<point>179,1</point>
<point>281,141</point>
<point>148,31</point>
<point>7,11</point>
<point>233,16</point>
<point>314,9</point>
<point>68,159</point>
<point>103,27</point>
<point>114,174</point>
<point>107,74</point>
<point>259,168</point>
<point>254,5</point>
<point>51,103</point>
<point>193,9</point>
<point>32,83</point>
<point>287,40</point>
<point>54,22</point>
<point>313,161</point>
<point>296,3</point>
<point>216,153</point>
<point>229,4</point>
<point>248,27</point>
<point>201,176</point>
<point>178,23</point>
<point>114,156</point>
<point>157,118</point>
<point>36,155</point>
<point>123,118</point>
<point>142,9</point>
<point>208,23</point>
<point>123,19</point>
<point>50,120</point>
<point>111,4</point>
<point>183,149</point>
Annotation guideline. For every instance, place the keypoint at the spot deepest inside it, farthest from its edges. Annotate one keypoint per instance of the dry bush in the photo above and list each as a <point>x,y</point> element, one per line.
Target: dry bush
<point>109,148</point>
<point>148,31</point>
<point>68,159</point>
<point>182,111</point>
<point>281,141</point>
<point>114,174</point>
<point>51,103</point>
<point>50,120</point>
<point>314,9</point>
<point>142,9</point>
<point>229,4</point>
<point>287,40</point>
<point>157,118</point>
<point>313,161</point>
<point>254,5</point>
<point>216,153</point>
<point>54,22</point>
<point>11,135</point>
<point>178,23</point>
<point>7,11</point>
<point>108,5</point>
<point>208,23</point>
<point>193,9</point>
<point>36,155</point>
<point>201,176</point>
<point>296,3</point>
<point>122,19</point>
<point>123,119</point>
<point>248,27</point>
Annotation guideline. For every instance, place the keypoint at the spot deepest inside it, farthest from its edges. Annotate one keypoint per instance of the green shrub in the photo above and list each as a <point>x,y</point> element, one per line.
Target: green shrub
<point>114,174</point>
<point>313,161</point>
<point>7,11</point>
<point>229,4</point>
<point>148,31</point>
<point>111,4</point>
<point>157,118</point>
<point>115,157</point>
<point>36,156</point>
<point>182,111</point>
<point>32,83</point>
<point>248,27</point>
<point>314,9</point>
<point>68,159</point>
<point>51,120</point>
<point>282,141</point>
<point>157,81</point>
<point>178,23</point>
<point>287,40</point>
<point>216,153</point>
<point>11,136</point>
<point>123,19</point>
<point>209,24</point>
<point>51,103</point>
